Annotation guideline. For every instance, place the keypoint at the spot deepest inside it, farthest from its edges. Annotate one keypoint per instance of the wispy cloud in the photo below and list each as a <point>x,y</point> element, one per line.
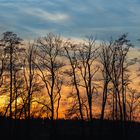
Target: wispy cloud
<point>47,16</point>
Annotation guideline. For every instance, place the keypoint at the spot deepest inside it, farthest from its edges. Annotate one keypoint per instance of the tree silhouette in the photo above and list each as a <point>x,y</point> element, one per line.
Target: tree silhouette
<point>50,65</point>
<point>72,55</point>
<point>106,61</point>
<point>10,42</point>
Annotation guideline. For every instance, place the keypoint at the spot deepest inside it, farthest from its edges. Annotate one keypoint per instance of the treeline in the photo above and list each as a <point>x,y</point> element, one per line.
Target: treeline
<point>34,74</point>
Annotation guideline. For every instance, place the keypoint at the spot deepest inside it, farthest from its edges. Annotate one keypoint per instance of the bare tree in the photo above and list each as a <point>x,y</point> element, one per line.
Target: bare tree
<point>113,58</point>
<point>106,61</point>
<point>71,54</point>
<point>29,75</point>
<point>88,52</point>
<point>10,41</point>
<point>133,102</point>
<point>50,65</point>
<point>123,45</point>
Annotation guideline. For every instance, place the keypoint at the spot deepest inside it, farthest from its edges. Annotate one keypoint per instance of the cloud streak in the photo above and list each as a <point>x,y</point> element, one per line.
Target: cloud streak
<point>47,16</point>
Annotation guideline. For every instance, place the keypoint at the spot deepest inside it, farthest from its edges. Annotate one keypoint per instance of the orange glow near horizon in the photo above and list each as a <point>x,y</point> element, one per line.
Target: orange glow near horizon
<point>96,106</point>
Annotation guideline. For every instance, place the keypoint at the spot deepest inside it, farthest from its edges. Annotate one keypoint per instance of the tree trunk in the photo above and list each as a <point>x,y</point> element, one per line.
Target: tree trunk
<point>11,79</point>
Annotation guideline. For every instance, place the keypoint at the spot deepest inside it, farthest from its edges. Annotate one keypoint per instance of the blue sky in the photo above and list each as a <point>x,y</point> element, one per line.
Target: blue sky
<point>71,18</point>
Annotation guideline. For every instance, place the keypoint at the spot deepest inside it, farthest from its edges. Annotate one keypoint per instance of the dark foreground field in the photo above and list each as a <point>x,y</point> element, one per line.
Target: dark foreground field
<point>38,129</point>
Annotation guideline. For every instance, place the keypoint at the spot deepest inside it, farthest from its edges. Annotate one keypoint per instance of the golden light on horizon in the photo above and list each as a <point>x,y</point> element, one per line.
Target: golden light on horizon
<point>65,102</point>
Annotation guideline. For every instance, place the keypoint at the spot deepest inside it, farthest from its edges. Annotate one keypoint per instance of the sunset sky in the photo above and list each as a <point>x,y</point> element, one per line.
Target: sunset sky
<point>74,19</point>
<point>71,18</point>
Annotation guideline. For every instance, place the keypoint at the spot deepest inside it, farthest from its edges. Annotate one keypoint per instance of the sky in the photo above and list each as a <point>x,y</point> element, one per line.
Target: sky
<point>71,18</point>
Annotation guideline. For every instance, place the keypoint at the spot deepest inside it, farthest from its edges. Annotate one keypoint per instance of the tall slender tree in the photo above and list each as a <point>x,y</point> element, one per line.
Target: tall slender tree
<point>11,42</point>
<point>50,64</point>
<point>88,52</point>
<point>71,54</point>
<point>106,70</point>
